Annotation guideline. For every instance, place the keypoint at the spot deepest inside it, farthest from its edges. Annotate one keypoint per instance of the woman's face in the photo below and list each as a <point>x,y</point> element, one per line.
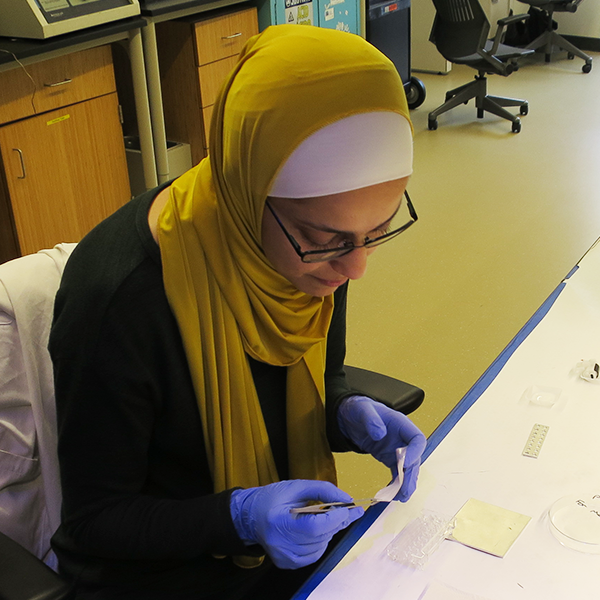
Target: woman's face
<point>324,221</point>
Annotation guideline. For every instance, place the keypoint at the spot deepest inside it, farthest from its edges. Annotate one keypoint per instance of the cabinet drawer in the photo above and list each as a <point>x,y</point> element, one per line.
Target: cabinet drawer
<point>212,77</point>
<point>223,36</point>
<point>55,83</point>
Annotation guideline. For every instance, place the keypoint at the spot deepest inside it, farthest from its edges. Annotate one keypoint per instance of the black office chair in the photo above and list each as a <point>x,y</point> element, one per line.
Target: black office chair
<point>399,395</point>
<point>549,39</point>
<point>460,31</point>
<point>23,575</point>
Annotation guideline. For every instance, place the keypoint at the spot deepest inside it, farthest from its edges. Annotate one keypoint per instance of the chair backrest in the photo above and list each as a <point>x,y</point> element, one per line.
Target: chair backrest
<point>554,5</point>
<point>30,494</point>
<point>460,28</point>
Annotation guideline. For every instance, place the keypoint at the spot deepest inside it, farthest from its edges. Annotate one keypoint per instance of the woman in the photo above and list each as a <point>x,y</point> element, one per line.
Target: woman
<point>199,336</point>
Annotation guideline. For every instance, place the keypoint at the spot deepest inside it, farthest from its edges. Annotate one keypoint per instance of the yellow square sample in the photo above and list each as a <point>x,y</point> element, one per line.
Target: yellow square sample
<point>487,527</point>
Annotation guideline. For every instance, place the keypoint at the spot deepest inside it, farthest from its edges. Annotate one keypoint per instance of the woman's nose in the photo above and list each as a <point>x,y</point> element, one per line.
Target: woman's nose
<point>354,264</point>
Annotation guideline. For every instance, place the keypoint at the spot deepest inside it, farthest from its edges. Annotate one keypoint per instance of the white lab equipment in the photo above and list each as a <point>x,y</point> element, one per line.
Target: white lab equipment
<point>40,19</point>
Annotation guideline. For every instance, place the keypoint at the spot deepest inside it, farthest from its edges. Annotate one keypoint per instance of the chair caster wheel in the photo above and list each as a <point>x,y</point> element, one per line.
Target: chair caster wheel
<point>524,109</point>
<point>432,124</point>
<point>516,126</point>
<point>570,56</point>
<point>587,67</point>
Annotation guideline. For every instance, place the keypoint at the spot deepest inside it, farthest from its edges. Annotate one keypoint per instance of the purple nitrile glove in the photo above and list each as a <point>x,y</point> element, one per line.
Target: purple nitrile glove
<point>379,430</point>
<point>262,516</point>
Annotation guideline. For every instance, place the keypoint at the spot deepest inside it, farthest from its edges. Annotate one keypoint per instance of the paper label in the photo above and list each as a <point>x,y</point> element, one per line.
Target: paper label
<point>299,12</point>
<point>58,120</point>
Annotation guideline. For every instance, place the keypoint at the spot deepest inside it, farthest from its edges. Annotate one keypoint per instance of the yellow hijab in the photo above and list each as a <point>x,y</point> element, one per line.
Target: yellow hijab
<point>228,300</point>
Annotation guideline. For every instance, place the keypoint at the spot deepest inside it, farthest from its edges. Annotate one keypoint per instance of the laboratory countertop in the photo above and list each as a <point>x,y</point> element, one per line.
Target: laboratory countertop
<point>155,8</point>
<point>30,48</point>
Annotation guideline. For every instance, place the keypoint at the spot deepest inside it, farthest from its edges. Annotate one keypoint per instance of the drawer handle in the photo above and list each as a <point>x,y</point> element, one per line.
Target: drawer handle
<point>24,174</point>
<point>230,37</point>
<point>58,83</point>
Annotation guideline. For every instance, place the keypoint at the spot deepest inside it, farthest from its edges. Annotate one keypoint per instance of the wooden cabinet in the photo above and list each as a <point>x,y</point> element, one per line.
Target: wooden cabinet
<point>195,56</point>
<point>61,144</point>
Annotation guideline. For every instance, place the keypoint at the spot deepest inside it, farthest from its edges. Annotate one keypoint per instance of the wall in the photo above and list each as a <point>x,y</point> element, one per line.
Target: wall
<point>585,22</point>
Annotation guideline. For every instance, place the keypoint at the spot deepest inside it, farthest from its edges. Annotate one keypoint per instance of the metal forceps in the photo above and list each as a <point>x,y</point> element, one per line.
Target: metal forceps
<point>327,506</point>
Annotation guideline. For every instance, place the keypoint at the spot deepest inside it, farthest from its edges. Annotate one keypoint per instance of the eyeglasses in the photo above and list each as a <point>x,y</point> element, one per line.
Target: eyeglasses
<point>313,256</point>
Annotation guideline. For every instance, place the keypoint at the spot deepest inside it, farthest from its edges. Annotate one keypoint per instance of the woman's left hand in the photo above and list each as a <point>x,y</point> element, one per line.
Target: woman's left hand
<point>379,430</point>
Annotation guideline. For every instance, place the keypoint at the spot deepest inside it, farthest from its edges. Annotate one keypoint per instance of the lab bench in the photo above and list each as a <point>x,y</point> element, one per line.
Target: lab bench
<point>64,164</point>
<point>63,159</point>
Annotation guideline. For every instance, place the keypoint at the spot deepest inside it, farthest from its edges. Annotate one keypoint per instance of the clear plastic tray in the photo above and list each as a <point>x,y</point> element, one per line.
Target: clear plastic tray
<point>420,539</point>
<point>543,397</point>
<point>575,521</point>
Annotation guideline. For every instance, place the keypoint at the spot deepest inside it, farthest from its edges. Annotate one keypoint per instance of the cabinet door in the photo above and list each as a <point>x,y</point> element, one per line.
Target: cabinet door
<point>65,171</point>
<point>211,79</point>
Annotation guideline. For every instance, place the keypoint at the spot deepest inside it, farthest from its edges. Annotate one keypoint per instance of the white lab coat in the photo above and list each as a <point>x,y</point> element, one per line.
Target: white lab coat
<point>30,494</point>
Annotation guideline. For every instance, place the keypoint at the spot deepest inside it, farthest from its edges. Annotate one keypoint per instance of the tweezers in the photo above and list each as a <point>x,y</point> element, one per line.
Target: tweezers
<point>325,507</point>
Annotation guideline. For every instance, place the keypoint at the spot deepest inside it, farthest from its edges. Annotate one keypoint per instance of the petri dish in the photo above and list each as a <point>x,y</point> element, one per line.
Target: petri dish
<point>575,521</point>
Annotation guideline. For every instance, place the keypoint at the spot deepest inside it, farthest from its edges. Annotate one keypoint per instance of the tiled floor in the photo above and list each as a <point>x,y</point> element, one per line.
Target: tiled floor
<point>503,218</point>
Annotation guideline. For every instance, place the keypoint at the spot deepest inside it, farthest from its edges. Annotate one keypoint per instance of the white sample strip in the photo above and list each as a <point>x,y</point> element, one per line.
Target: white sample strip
<point>388,493</point>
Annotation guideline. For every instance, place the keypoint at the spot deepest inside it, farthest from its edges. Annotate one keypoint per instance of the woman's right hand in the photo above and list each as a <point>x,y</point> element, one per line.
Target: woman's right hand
<point>262,516</point>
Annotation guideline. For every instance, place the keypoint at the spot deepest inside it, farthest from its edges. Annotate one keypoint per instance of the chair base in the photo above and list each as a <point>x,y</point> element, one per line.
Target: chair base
<point>550,40</point>
<point>493,104</point>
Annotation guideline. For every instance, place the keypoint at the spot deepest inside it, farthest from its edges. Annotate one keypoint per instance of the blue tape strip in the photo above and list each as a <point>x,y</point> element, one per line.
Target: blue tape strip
<point>361,526</point>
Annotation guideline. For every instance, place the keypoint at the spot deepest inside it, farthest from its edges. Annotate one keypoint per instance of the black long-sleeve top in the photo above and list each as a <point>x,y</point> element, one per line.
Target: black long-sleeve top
<point>139,510</point>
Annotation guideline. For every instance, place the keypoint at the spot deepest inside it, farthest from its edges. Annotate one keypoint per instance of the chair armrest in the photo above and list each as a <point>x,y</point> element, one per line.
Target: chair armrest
<point>504,21</point>
<point>399,395</point>
<point>502,24</point>
<point>26,577</point>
